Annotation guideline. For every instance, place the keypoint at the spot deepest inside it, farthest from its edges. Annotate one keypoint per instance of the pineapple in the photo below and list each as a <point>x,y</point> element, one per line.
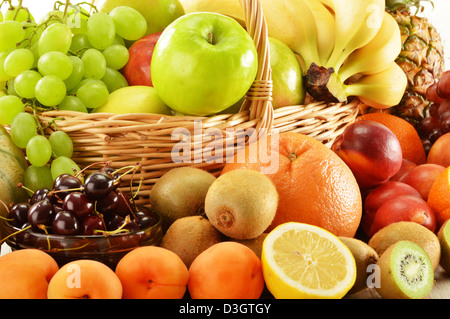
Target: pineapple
<point>421,58</point>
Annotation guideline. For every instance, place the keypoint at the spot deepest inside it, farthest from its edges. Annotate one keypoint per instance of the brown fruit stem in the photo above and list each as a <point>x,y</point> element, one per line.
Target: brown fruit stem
<point>323,84</point>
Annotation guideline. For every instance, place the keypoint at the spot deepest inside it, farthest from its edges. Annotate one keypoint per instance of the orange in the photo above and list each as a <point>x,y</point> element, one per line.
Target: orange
<point>439,196</point>
<point>315,186</point>
<point>410,142</point>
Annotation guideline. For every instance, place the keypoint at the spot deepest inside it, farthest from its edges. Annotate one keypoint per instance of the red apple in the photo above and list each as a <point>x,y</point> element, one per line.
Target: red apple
<point>137,70</point>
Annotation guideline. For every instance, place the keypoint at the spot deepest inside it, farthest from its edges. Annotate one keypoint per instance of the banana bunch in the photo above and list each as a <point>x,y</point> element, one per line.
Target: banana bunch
<point>348,47</point>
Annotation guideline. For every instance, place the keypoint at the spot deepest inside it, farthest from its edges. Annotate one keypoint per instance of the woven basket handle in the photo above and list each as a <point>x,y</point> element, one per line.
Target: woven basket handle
<point>258,99</point>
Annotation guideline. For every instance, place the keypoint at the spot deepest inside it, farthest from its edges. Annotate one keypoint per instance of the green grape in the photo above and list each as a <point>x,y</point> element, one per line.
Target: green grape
<point>83,82</point>
<point>72,103</point>
<point>116,56</point>
<point>51,17</point>
<point>25,83</point>
<point>11,33</point>
<point>80,42</point>
<point>114,80</point>
<point>94,64</point>
<point>10,106</point>
<point>55,63</point>
<point>57,37</point>
<point>18,61</point>
<point>36,178</point>
<point>130,24</point>
<point>63,165</point>
<point>101,30</point>
<point>118,40</point>
<point>1,16</point>
<point>23,128</point>
<point>3,75</point>
<point>77,73</point>
<point>38,150</point>
<point>77,19</point>
<point>10,89</point>
<point>50,90</point>
<point>21,16</point>
<point>61,144</point>
<point>93,94</point>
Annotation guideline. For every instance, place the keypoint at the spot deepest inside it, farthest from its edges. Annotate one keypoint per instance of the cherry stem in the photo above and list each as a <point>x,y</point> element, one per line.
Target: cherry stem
<point>116,231</point>
<point>14,233</point>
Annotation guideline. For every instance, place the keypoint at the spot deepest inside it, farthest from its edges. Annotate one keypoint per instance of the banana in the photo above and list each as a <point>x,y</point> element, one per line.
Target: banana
<point>356,24</point>
<point>378,54</point>
<point>380,90</point>
<point>325,29</point>
<point>292,22</point>
<point>328,3</point>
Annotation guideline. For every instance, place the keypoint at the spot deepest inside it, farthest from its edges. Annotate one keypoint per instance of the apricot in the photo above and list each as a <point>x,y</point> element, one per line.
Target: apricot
<point>439,152</point>
<point>403,208</point>
<point>25,274</point>
<point>371,151</point>
<point>422,177</point>
<point>152,272</point>
<point>227,270</point>
<point>85,279</point>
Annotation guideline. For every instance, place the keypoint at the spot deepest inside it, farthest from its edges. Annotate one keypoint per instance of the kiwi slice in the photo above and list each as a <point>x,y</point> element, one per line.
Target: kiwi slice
<point>444,241</point>
<point>406,272</point>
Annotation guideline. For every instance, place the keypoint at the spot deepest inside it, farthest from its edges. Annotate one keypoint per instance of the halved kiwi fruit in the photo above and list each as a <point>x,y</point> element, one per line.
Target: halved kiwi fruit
<point>406,272</point>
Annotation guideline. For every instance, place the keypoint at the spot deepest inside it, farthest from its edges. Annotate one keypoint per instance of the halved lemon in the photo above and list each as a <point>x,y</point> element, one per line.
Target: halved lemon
<point>305,261</point>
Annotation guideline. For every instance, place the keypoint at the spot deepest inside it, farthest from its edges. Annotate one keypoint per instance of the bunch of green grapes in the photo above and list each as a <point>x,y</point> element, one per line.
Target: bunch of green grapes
<point>70,60</point>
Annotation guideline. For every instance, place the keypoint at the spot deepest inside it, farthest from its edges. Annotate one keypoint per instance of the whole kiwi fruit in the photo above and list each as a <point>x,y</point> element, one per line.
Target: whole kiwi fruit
<point>364,257</point>
<point>254,244</point>
<point>411,231</point>
<point>189,236</point>
<point>241,203</point>
<point>180,192</point>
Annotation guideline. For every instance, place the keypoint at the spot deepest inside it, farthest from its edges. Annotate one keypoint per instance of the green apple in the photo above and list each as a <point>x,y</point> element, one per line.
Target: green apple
<point>134,99</point>
<point>287,75</point>
<point>158,13</point>
<point>203,63</point>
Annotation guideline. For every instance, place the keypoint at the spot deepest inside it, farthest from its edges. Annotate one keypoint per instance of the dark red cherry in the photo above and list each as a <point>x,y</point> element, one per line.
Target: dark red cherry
<point>66,184</point>
<point>19,214</point>
<point>98,185</point>
<point>41,213</point>
<point>79,204</point>
<point>65,223</point>
<point>92,223</point>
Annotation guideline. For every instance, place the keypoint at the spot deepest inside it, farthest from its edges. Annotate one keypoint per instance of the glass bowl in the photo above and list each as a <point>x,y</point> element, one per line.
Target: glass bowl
<point>108,249</point>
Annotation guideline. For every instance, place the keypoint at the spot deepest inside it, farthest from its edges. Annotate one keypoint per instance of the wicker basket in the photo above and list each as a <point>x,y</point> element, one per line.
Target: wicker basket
<point>149,138</point>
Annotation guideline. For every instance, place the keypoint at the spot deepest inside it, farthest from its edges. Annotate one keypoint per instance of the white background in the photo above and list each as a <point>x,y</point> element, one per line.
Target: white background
<point>439,16</point>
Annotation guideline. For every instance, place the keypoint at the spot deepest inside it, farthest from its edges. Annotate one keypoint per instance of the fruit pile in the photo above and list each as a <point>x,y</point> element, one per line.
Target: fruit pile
<point>312,222</point>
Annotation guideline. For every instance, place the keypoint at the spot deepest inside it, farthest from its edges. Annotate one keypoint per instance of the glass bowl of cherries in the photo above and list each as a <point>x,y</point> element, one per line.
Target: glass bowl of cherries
<point>83,217</point>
